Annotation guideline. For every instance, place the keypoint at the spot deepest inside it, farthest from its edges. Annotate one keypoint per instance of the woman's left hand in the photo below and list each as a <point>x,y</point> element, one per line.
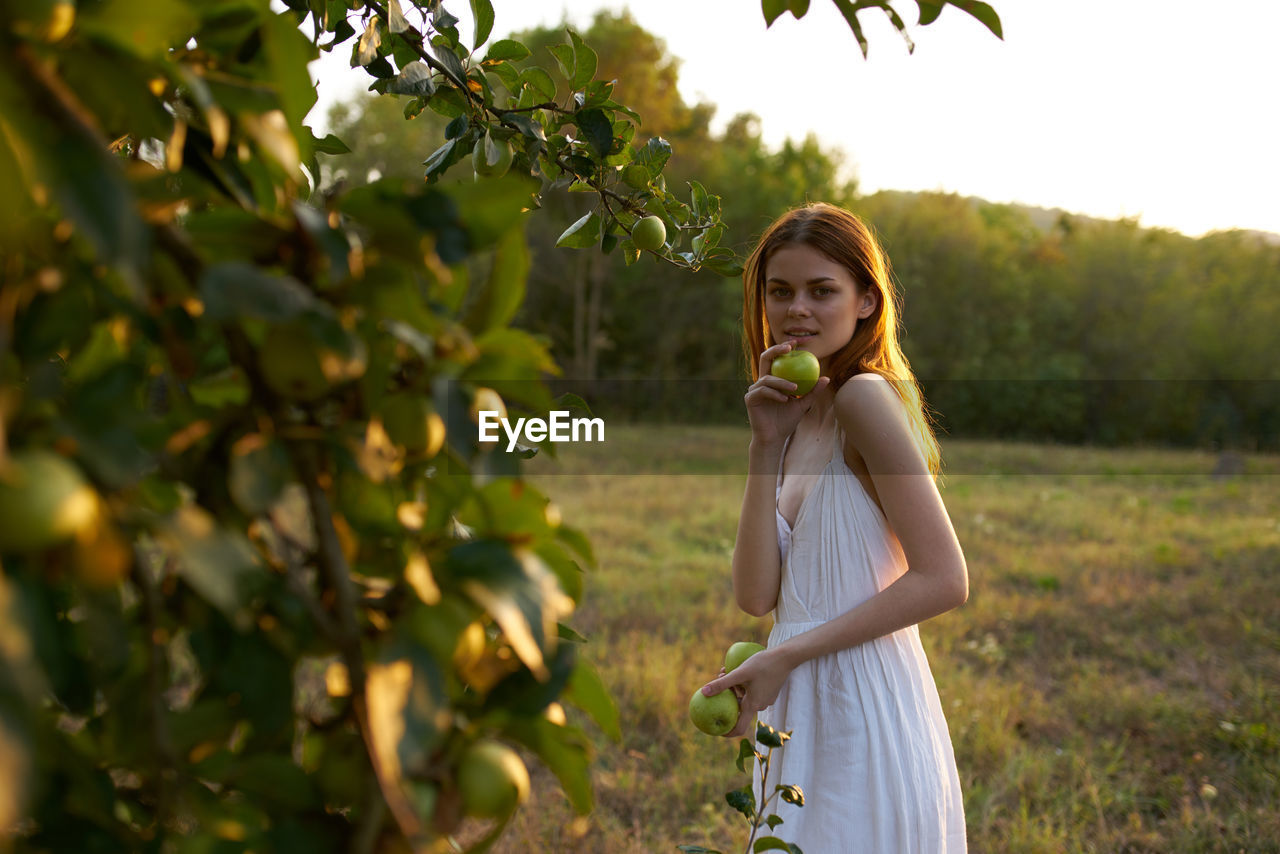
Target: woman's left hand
<point>756,681</point>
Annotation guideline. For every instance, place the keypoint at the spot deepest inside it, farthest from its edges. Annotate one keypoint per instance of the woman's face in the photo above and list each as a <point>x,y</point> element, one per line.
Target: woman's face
<point>812,301</point>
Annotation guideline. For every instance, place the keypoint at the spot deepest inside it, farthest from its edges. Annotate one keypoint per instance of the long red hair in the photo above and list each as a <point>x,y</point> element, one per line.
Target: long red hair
<point>875,346</point>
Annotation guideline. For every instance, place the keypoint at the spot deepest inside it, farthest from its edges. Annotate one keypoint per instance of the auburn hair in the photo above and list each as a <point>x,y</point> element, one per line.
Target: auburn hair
<point>875,346</point>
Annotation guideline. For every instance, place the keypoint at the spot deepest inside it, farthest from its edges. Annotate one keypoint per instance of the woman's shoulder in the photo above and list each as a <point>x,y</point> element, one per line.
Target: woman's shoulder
<point>867,405</point>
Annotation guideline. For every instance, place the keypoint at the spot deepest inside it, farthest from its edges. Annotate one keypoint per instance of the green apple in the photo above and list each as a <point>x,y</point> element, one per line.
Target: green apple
<point>738,653</point>
<point>411,423</point>
<point>649,234</point>
<point>800,367</point>
<point>297,366</point>
<point>492,780</point>
<point>491,157</point>
<point>44,500</point>
<point>714,715</point>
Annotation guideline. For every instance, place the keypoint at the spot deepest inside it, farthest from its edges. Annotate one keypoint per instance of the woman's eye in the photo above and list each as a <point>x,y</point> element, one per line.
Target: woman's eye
<point>822,292</point>
<point>780,292</point>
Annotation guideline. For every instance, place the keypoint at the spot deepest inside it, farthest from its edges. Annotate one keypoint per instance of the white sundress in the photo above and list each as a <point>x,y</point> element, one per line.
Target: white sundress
<point>869,743</point>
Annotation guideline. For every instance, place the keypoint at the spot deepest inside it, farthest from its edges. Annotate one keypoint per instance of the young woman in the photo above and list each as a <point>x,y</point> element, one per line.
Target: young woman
<point>845,539</point>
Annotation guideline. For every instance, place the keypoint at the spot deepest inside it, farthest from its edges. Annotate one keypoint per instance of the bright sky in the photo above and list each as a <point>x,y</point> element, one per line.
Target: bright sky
<point>1158,109</point>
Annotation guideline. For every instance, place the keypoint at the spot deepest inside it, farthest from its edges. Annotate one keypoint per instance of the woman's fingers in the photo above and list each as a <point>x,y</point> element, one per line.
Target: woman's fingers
<point>767,357</point>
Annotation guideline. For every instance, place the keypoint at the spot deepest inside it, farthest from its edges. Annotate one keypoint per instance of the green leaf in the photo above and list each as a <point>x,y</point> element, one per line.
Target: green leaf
<point>414,79</point>
<point>396,21</point>
<point>482,11</point>
<point>540,82</point>
<point>566,751</point>
<point>235,289</point>
<point>449,102</point>
<point>451,61</point>
<point>773,821</point>
<point>507,50</point>
<point>563,54</point>
<point>569,634</point>
<point>442,158</point>
<point>696,849</point>
<point>770,737</point>
<point>791,794</point>
<point>586,691</point>
<point>746,750</point>
<point>850,12</point>
<point>772,10</point>
<point>698,198</point>
<point>983,12</point>
<point>218,563</point>
<point>258,473</point>
<point>798,8</point>
<point>743,800</point>
<point>900,26</point>
<point>585,62</point>
<point>583,234</point>
<point>596,129</point>
<point>329,145</point>
<point>654,155</point>
<point>142,29</point>
<point>490,208</point>
<point>504,290</point>
<point>288,51</point>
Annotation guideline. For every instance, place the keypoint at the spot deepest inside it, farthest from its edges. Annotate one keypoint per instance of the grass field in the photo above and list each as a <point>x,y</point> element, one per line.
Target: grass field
<point>1113,683</point>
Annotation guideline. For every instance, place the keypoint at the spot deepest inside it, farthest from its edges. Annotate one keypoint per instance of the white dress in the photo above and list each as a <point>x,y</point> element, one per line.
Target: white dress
<point>869,744</point>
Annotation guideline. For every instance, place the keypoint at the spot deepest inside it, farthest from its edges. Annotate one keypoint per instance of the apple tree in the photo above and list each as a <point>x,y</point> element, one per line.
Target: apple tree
<point>260,586</point>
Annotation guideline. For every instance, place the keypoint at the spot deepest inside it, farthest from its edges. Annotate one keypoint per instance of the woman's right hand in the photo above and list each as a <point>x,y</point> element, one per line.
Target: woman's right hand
<point>773,412</point>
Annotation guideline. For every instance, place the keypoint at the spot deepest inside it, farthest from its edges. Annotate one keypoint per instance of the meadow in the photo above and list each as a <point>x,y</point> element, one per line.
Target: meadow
<point>1112,684</point>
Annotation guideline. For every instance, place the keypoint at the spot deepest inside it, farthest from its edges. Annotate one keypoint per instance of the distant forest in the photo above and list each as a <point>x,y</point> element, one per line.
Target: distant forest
<point>1020,322</point>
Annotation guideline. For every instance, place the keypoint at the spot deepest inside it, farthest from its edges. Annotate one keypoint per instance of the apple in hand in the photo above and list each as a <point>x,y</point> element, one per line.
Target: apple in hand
<point>738,653</point>
<point>714,715</point>
<point>800,367</point>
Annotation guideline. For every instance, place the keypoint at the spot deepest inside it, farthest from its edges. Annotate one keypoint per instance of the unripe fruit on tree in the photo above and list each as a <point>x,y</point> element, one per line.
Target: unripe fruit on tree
<point>492,780</point>
<point>297,366</point>
<point>800,367</point>
<point>44,500</point>
<point>649,234</point>
<point>491,157</point>
<point>412,424</point>
<point>44,20</point>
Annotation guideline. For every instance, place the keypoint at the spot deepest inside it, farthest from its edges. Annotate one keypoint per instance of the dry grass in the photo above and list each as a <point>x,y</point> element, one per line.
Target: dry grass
<point>1112,684</point>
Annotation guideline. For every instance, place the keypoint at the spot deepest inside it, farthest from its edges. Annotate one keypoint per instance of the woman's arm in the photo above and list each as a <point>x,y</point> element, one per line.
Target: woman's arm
<point>774,414</point>
<point>757,565</point>
<point>936,579</point>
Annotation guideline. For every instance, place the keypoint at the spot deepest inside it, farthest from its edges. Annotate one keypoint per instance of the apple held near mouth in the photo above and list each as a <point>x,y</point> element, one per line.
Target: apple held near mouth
<point>714,715</point>
<point>800,367</point>
<point>738,653</point>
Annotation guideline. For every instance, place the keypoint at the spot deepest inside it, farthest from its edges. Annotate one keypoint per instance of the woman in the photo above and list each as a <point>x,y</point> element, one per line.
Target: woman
<point>844,537</point>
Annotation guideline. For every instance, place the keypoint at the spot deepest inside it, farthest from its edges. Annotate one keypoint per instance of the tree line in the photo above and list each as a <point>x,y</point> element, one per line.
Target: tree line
<point>1021,322</point>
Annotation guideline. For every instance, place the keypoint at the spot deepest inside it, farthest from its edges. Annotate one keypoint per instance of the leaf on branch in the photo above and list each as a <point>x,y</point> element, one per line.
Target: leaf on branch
<point>850,12</point>
<point>770,843</point>
<point>414,79</point>
<point>930,10</point>
<point>654,155</point>
<point>506,50</point>
<point>799,8</point>
<point>482,11</point>
<point>236,289</point>
<point>367,48</point>
<point>440,158</point>
<point>772,10</point>
<point>596,129</point>
<point>540,82</point>
<point>900,25</point>
<point>770,737</point>
<point>745,750</point>
<point>583,234</point>
<point>566,751</point>
<point>791,794</point>
<point>983,12</point>
<point>743,800</point>
<point>451,61</point>
<point>564,58</point>
<point>696,849</point>
<point>396,21</point>
<point>329,145</point>
<point>586,691</point>
<point>773,821</point>
<point>585,62</point>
